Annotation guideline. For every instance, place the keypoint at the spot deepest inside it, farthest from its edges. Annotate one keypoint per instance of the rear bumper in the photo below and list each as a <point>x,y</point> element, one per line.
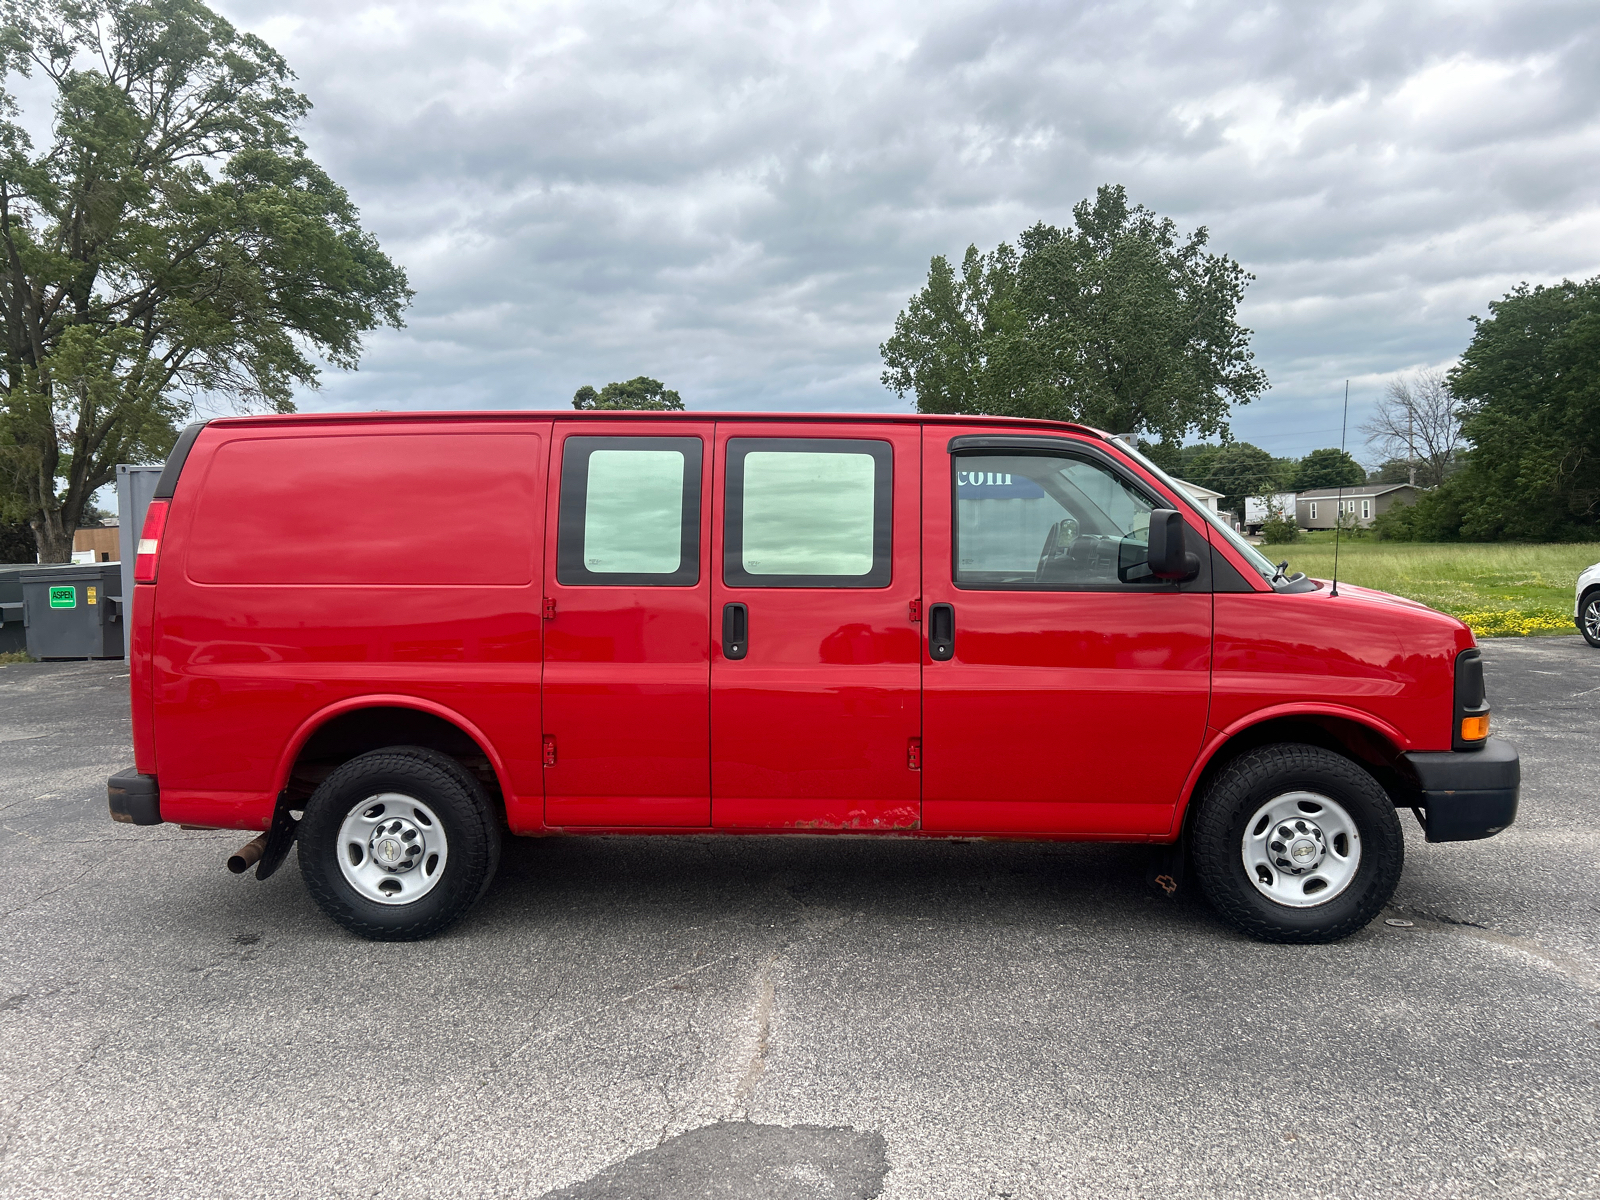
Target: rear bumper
<point>135,799</point>
<point>1464,795</point>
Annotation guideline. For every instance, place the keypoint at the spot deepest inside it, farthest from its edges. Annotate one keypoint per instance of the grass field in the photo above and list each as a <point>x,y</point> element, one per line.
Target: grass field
<point>1500,590</point>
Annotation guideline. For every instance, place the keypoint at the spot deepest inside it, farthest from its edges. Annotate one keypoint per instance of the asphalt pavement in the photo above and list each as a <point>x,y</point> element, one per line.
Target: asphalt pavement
<point>791,1017</point>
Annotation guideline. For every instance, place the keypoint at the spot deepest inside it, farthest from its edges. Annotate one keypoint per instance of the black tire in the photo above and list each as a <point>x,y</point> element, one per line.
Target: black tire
<point>1589,618</point>
<point>464,813</point>
<point>1253,780</point>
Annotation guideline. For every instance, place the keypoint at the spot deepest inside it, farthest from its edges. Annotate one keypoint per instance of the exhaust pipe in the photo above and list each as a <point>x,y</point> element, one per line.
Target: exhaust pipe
<point>247,855</point>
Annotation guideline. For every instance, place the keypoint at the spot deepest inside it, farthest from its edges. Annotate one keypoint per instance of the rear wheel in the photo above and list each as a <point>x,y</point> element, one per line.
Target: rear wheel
<point>397,844</point>
<point>1294,843</point>
<point>1589,618</point>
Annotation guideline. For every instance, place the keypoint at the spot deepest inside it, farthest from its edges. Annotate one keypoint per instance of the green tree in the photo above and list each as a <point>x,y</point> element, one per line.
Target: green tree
<point>173,241</point>
<point>1329,468</point>
<point>1394,470</point>
<point>1240,470</point>
<point>1529,382</point>
<point>640,392</point>
<point>1116,322</point>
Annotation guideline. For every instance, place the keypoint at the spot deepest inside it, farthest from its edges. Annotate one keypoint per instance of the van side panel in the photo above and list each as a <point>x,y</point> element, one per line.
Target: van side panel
<point>304,566</point>
<point>1360,651</point>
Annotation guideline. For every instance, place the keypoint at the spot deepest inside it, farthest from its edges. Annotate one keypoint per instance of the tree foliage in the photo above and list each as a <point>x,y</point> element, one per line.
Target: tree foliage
<point>1435,516</point>
<point>1328,468</point>
<point>1529,383</point>
<point>173,240</point>
<point>1240,470</point>
<point>1116,322</point>
<point>640,392</point>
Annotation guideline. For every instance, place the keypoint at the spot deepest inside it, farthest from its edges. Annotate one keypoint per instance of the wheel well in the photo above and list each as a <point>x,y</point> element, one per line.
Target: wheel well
<point>1587,593</point>
<point>364,729</point>
<point>1362,745</point>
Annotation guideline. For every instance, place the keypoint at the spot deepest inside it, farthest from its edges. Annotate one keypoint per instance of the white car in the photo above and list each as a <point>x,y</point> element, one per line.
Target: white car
<point>1586,604</point>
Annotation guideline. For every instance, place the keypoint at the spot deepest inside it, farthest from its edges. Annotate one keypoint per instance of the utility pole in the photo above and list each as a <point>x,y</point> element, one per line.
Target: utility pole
<point>1411,449</point>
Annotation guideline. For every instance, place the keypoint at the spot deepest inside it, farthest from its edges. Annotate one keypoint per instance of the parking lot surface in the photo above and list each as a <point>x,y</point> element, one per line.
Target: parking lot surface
<point>806,1017</point>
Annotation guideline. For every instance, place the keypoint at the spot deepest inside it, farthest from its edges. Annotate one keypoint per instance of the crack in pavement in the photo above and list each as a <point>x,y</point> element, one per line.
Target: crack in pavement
<point>756,1067</point>
<point>1572,969</point>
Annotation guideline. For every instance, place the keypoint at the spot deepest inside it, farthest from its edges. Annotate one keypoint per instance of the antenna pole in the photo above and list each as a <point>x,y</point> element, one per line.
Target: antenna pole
<point>1338,509</point>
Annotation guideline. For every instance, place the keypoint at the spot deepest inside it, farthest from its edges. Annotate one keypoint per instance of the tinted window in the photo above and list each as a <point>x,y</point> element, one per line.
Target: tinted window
<point>368,509</point>
<point>1048,521</point>
<point>630,512</point>
<point>808,512</point>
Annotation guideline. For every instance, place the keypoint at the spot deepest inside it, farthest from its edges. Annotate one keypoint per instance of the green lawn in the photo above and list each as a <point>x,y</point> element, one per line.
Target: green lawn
<point>1500,590</point>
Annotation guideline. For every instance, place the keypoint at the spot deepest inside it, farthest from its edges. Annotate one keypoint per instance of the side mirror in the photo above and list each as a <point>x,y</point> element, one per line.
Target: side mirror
<point>1168,558</point>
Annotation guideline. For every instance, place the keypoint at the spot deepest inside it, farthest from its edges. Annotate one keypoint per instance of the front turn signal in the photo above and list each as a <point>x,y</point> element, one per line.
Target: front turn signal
<point>1475,729</point>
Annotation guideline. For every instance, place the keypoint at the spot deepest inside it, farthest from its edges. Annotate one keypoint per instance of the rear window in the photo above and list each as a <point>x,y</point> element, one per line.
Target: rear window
<point>434,508</point>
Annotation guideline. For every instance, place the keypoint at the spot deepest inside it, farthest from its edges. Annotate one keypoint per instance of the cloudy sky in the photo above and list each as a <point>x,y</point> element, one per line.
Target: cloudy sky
<point>738,198</point>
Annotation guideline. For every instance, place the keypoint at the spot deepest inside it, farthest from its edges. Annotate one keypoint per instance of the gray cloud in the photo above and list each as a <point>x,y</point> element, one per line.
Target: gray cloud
<point>738,199</point>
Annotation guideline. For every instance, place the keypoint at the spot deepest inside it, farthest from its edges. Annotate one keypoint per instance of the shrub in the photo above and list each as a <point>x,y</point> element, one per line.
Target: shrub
<point>1434,517</point>
<point>1279,530</point>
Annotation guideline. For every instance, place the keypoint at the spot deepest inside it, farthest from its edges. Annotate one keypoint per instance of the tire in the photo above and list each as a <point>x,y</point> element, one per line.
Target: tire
<point>1294,843</point>
<point>398,843</point>
<point>1589,618</point>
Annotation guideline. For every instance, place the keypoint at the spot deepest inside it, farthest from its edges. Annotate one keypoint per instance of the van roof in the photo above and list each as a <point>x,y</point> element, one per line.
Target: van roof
<point>544,414</point>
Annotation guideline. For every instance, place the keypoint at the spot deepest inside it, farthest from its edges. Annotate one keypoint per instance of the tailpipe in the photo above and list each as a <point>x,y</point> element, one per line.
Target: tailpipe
<point>247,855</point>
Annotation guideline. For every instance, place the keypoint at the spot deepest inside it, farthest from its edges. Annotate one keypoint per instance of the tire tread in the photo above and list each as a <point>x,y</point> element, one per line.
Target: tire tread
<point>480,849</point>
<point>1216,857</point>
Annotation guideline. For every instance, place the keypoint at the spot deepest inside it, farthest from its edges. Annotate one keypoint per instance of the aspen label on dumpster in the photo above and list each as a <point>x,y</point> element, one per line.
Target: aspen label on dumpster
<point>64,597</point>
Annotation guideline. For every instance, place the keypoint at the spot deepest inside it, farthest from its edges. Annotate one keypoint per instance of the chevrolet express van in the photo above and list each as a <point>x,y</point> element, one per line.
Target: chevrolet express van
<point>390,640</point>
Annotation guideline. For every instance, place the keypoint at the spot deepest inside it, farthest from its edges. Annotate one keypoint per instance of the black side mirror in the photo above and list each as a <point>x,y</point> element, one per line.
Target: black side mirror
<point>1168,558</point>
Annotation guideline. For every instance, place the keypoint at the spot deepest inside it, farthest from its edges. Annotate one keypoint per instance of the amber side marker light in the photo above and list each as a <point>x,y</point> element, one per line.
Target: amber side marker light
<point>144,562</point>
<point>1475,729</point>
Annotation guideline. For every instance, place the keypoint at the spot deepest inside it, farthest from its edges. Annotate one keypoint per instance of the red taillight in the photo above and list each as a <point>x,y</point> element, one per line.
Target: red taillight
<point>144,563</point>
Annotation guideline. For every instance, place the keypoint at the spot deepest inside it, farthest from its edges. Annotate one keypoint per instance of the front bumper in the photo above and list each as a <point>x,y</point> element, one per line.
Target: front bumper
<point>135,799</point>
<point>1463,795</point>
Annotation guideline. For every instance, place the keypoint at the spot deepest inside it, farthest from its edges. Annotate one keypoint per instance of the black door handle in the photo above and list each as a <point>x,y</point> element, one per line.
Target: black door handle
<point>735,631</point>
<point>942,632</point>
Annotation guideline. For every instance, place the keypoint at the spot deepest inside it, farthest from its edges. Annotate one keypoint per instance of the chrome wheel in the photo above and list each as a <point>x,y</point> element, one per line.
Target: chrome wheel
<point>1301,849</point>
<point>1591,620</point>
<point>392,848</point>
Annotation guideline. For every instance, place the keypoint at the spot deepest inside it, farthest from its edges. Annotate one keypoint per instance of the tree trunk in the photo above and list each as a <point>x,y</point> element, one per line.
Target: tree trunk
<point>53,535</point>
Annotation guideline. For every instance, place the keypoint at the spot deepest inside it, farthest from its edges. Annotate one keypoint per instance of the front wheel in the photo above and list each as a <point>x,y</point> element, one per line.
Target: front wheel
<point>397,844</point>
<point>1589,618</point>
<point>1295,843</point>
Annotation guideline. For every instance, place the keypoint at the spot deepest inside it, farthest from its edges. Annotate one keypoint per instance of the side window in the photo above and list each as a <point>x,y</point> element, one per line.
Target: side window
<point>1050,522</point>
<point>630,512</point>
<point>808,512</point>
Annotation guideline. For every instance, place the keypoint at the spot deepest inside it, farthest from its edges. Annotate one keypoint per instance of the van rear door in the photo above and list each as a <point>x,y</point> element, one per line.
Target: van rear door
<point>626,738</point>
<point>815,683</point>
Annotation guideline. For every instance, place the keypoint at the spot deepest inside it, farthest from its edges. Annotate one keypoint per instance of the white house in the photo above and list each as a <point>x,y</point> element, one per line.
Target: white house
<point>1203,494</point>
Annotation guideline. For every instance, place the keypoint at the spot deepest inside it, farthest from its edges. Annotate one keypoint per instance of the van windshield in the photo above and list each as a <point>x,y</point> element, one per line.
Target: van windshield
<point>1260,562</point>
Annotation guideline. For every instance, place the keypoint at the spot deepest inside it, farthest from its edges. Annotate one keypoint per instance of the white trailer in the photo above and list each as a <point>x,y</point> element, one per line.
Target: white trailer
<point>1258,510</point>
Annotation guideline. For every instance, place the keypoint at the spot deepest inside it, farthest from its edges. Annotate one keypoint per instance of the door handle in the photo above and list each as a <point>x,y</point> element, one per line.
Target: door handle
<point>735,631</point>
<point>941,632</point>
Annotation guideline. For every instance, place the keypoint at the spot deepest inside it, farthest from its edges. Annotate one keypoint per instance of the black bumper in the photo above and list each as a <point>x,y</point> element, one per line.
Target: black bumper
<point>135,799</point>
<point>1464,795</point>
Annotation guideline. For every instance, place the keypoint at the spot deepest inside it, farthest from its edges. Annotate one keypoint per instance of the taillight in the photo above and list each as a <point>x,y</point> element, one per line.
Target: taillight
<point>144,563</point>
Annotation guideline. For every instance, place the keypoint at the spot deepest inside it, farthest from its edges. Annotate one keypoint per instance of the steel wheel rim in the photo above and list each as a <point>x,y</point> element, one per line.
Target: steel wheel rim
<point>1591,620</point>
<point>392,848</point>
<point>1301,849</point>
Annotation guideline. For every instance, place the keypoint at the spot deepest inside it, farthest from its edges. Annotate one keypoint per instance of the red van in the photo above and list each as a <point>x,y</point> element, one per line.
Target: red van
<point>392,639</point>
